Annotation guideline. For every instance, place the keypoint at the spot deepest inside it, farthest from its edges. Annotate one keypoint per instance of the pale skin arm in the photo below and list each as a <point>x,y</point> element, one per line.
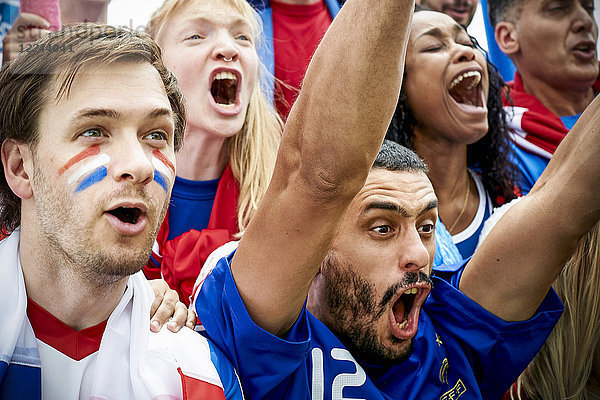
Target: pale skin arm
<point>331,138</point>
<point>512,271</point>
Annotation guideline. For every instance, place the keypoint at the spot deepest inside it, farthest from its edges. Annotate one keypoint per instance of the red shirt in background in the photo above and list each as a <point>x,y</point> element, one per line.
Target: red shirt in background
<point>297,31</point>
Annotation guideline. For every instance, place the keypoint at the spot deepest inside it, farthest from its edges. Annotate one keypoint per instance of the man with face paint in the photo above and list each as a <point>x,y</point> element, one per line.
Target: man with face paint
<point>330,294</point>
<point>89,125</point>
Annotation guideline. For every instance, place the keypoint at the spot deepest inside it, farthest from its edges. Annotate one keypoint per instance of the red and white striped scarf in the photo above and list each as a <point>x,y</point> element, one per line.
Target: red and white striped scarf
<point>132,362</point>
<point>534,127</point>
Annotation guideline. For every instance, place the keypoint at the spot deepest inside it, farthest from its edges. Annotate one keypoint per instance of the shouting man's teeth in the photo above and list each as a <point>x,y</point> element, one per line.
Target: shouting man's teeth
<point>403,306</point>
<point>584,46</point>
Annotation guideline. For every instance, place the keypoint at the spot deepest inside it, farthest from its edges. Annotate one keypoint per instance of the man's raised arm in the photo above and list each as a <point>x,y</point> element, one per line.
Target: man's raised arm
<point>330,141</point>
<point>515,266</point>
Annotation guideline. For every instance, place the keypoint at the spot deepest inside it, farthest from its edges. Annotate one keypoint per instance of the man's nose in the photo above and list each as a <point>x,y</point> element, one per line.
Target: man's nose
<point>132,162</point>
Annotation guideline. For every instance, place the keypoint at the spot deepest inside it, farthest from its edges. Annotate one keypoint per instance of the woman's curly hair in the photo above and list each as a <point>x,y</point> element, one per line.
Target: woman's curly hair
<point>491,155</point>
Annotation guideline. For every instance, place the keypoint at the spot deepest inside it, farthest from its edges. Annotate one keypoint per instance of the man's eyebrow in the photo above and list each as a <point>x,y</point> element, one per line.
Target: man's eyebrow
<point>432,204</point>
<point>96,112</point>
<point>395,208</point>
<point>114,114</point>
<point>160,112</point>
<point>387,206</point>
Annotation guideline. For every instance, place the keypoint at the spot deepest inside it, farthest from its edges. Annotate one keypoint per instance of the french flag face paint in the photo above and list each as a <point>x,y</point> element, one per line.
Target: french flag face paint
<point>86,168</point>
<point>164,173</point>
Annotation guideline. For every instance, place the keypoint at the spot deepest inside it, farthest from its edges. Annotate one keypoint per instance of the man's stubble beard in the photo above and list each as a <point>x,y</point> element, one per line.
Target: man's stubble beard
<point>70,242</point>
<point>354,311</point>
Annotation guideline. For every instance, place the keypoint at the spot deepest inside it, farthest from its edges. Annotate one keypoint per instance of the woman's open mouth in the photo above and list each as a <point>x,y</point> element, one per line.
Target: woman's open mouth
<point>466,89</point>
<point>224,89</point>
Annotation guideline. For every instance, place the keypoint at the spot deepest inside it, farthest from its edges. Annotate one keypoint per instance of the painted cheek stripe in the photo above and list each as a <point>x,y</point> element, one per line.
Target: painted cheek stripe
<point>161,181</point>
<point>164,170</point>
<point>90,151</point>
<point>91,170</point>
<point>92,178</point>
<point>89,166</point>
<point>160,167</point>
<point>164,160</point>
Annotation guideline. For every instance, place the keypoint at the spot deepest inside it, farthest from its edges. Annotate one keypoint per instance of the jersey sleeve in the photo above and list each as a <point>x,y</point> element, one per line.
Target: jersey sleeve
<point>497,350</point>
<point>231,383</point>
<point>266,363</point>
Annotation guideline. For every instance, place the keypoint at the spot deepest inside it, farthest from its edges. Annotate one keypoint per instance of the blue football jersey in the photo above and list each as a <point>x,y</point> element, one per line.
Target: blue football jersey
<point>460,351</point>
<point>530,165</point>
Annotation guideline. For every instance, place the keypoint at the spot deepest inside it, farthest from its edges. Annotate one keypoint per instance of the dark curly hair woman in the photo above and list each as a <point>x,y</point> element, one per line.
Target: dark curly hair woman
<point>450,112</point>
